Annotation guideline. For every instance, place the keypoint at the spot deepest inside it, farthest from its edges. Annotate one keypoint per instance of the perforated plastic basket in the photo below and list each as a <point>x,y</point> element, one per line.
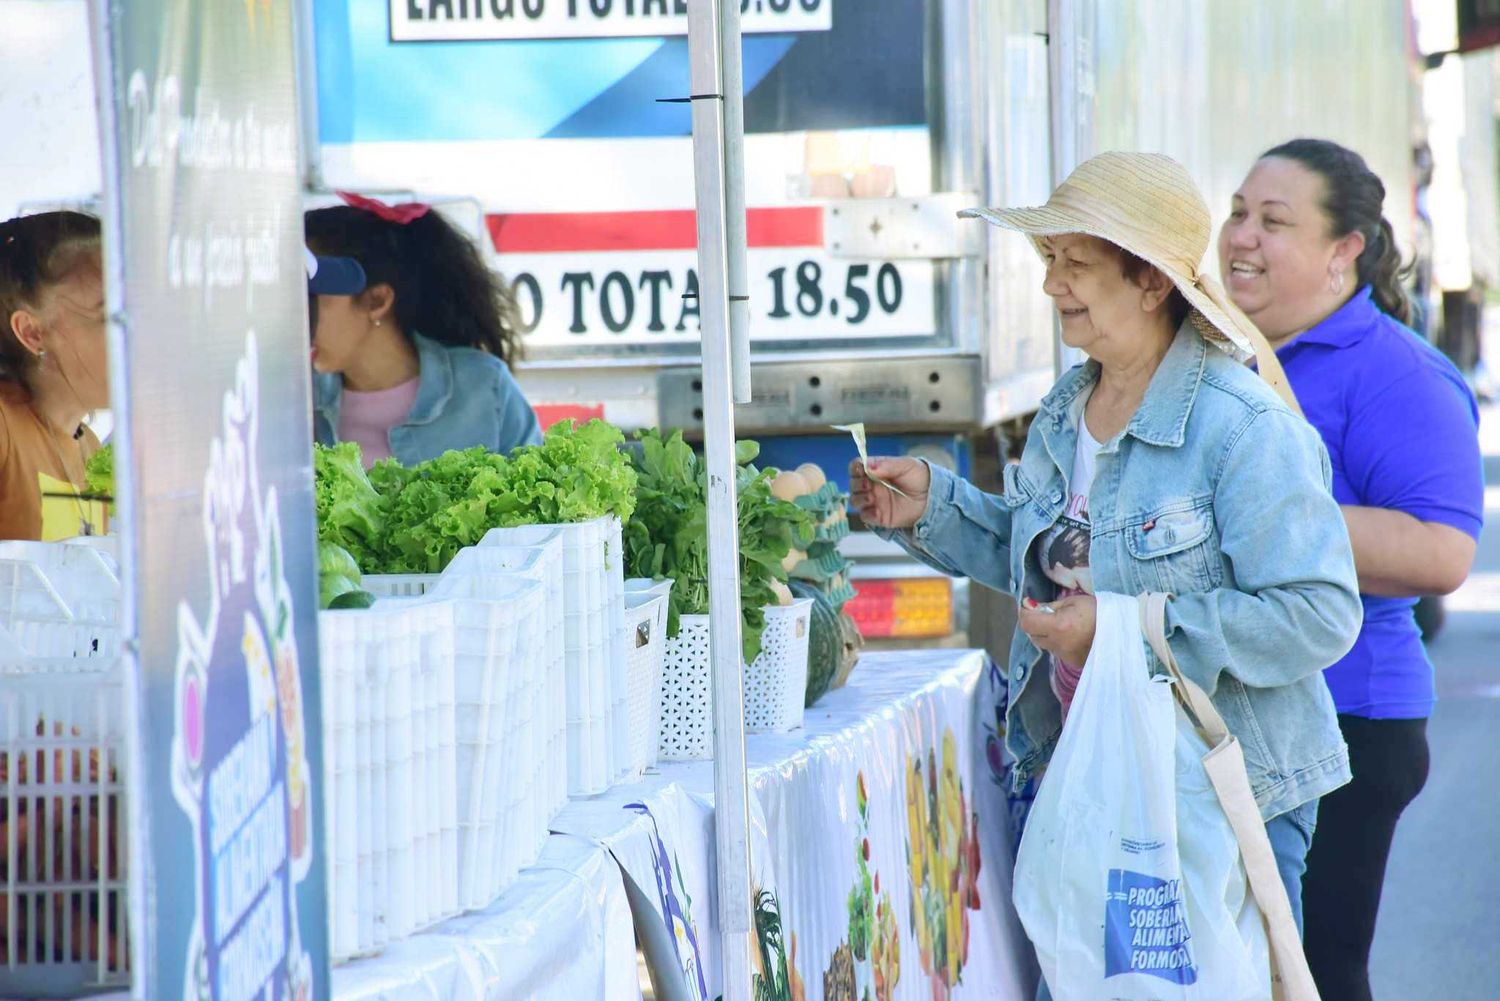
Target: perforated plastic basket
<point>775,685</point>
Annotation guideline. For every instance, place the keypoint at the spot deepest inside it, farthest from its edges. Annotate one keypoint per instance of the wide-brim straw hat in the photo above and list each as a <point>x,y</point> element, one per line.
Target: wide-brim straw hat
<point>1147,204</point>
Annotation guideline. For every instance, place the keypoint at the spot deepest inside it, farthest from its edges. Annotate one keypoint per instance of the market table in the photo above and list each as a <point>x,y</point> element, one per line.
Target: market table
<point>561,931</point>
<point>847,896</point>
<point>881,836</point>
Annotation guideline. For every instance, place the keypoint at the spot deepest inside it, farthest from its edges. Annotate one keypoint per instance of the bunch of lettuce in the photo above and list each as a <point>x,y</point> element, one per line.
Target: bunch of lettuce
<point>99,472</point>
<point>440,506</point>
<point>351,512</point>
<point>668,535</point>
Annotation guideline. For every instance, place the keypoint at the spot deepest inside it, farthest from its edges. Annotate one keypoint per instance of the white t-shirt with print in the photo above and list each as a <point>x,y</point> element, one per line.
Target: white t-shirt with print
<point>1063,550</point>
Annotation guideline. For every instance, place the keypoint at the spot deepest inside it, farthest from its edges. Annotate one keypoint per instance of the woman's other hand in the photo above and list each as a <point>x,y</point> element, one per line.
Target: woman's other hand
<point>881,506</point>
<point>1066,632</point>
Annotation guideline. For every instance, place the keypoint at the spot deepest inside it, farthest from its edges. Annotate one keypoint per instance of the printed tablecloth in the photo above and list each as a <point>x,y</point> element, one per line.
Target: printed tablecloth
<point>882,843</point>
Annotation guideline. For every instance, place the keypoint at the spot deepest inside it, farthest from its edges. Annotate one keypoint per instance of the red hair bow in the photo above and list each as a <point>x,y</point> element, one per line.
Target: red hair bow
<point>398,214</point>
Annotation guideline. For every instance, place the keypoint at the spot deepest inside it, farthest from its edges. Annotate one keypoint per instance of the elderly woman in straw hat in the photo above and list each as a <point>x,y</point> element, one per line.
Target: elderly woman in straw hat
<point>1162,464</point>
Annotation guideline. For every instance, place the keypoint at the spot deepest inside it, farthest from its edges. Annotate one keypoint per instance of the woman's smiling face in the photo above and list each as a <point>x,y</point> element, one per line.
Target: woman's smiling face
<point>1095,301</point>
<point>1275,251</point>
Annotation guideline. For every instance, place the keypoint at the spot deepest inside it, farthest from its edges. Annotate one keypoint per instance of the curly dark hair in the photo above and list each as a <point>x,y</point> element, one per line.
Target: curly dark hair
<point>36,253</point>
<point>1353,201</point>
<point>443,289</point>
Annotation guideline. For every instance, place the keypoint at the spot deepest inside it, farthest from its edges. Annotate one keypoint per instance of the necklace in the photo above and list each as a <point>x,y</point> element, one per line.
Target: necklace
<point>85,526</point>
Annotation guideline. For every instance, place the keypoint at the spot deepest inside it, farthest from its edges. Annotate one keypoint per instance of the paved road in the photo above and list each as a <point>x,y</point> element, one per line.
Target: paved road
<point>1439,932</point>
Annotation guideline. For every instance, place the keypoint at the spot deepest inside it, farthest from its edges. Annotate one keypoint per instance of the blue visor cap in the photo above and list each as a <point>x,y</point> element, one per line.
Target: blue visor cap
<point>334,275</point>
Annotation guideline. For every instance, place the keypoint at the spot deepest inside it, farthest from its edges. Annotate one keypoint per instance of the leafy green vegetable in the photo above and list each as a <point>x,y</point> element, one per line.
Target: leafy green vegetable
<point>668,535</point>
<point>351,513</point>
<point>334,559</point>
<point>99,472</point>
<point>442,505</point>
<point>338,574</point>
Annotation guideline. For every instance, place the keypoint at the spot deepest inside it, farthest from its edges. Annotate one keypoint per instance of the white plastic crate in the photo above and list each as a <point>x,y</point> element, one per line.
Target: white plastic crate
<point>646,648</point>
<point>542,563</point>
<point>399,585</point>
<point>389,771</point>
<point>59,604</point>
<point>63,848</point>
<point>775,685</point>
<point>591,579</point>
<point>645,585</point>
<point>498,681</point>
<point>619,643</point>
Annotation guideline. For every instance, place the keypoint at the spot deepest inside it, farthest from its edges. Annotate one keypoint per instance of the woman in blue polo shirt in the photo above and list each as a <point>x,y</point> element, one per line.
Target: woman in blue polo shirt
<point>1307,254</point>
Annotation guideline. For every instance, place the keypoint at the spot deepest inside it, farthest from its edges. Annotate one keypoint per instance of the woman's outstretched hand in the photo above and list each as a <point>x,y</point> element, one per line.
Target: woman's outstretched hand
<point>1066,632</point>
<point>883,507</point>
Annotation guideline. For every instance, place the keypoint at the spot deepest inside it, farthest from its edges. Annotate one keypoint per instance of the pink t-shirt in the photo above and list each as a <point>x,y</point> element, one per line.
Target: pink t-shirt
<point>367,418</point>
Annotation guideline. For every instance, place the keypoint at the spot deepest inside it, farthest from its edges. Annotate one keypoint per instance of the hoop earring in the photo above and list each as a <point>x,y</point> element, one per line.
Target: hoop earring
<point>1336,282</point>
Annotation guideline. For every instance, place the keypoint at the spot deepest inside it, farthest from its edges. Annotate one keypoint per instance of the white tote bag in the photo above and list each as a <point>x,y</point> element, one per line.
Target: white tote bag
<point>1129,880</point>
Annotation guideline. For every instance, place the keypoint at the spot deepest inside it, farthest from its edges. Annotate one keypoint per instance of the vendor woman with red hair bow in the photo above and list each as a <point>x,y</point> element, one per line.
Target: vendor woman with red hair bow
<point>418,362</point>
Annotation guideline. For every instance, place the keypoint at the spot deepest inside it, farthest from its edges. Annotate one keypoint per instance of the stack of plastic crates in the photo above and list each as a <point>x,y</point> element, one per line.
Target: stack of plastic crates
<point>501,690</point>
<point>389,762</point>
<point>436,718</point>
<point>594,664</point>
<point>63,850</point>
<point>544,564</point>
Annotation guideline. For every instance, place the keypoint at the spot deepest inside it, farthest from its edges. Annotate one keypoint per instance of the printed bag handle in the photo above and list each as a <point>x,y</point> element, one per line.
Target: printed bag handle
<point>1291,980</point>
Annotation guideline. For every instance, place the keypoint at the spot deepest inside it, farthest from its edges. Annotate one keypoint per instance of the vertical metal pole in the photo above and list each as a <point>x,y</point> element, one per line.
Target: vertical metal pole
<point>731,798</point>
<point>135,824</point>
<point>734,167</point>
<point>310,151</point>
<point>1068,115</point>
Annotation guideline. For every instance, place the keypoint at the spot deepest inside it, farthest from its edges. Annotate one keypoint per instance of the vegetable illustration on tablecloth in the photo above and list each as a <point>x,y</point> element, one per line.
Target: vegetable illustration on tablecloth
<point>771,977</point>
<point>943,857</point>
<point>873,936</point>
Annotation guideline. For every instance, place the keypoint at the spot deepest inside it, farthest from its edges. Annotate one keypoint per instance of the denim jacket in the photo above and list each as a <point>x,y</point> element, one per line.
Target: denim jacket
<point>465,397</point>
<point>1216,493</point>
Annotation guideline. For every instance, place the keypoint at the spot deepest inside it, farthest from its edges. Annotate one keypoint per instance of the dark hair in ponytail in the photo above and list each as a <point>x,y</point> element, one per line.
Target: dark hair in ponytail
<point>444,290</point>
<point>37,252</point>
<point>1353,200</point>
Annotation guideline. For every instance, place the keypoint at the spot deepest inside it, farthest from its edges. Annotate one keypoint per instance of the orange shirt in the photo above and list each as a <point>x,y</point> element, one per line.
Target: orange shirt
<point>42,475</point>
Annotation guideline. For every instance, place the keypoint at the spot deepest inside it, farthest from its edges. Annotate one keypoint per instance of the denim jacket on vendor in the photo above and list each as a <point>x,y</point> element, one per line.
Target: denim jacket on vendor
<point>465,397</point>
<point>1215,492</point>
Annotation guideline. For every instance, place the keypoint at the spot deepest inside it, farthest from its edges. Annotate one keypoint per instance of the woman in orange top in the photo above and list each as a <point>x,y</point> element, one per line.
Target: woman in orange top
<point>54,370</point>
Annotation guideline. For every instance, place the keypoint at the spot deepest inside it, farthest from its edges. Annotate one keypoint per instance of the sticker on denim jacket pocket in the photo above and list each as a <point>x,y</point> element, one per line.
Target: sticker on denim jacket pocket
<point>1172,532</point>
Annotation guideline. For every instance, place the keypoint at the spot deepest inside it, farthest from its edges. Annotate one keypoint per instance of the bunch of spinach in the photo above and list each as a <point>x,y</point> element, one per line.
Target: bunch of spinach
<point>668,534</point>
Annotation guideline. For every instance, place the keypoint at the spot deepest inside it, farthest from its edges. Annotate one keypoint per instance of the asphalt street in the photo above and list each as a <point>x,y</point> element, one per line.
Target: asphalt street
<point>1439,931</point>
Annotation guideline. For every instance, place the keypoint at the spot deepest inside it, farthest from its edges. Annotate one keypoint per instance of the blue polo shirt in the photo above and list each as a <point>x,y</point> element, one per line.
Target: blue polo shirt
<point>1401,428</point>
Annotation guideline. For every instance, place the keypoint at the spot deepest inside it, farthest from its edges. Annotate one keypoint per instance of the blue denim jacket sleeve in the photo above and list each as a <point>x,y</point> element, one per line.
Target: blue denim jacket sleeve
<point>1294,589</point>
<point>517,421</point>
<point>964,531</point>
